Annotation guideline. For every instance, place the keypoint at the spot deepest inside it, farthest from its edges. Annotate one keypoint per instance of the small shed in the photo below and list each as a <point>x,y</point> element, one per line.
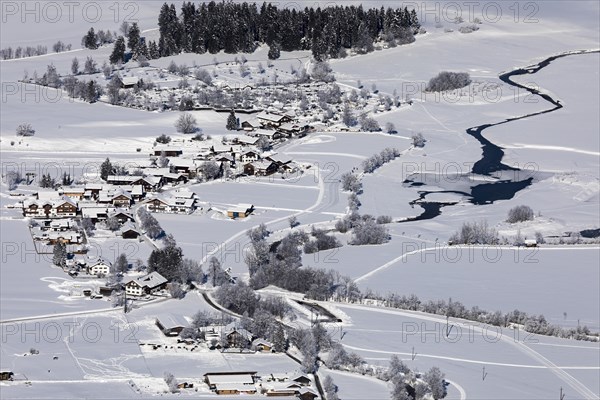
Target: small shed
<point>240,211</point>
<point>6,375</point>
<point>262,345</point>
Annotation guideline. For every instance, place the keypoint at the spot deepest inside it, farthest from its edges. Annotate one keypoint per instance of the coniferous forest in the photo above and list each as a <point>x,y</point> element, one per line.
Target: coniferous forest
<point>240,28</point>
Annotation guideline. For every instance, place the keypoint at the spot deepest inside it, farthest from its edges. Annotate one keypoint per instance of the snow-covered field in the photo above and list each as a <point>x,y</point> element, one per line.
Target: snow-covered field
<point>512,361</point>
<point>42,307</point>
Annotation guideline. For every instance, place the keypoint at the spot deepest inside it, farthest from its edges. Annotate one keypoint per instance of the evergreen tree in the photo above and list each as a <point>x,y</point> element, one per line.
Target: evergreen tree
<point>142,51</point>
<point>167,261</point>
<point>75,66</point>
<point>133,39</point>
<point>92,92</point>
<point>188,25</point>
<point>170,31</point>
<point>118,53</point>
<point>365,42</point>
<point>414,20</point>
<point>153,52</point>
<point>90,40</point>
<point>66,179</point>
<point>47,181</point>
<point>106,169</point>
<point>274,51</point>
<point>319,47</point>
<point>237,27</point>
<point>59,254</point>
<point>232,122</point>
<point>279,340</point>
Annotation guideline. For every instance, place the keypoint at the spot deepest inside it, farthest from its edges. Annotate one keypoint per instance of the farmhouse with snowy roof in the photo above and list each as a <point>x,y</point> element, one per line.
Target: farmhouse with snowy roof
<point>64,207</point>
<point>231,382</point>
<point>128,231</point>
<point>272,119</point>
<point>99,267</point>
<point>174,205</point>
<point>260,168</point>
<point>151,283</point>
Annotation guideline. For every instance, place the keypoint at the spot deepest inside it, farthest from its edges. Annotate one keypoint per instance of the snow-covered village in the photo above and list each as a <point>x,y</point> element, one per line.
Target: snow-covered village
<point>334,201</point>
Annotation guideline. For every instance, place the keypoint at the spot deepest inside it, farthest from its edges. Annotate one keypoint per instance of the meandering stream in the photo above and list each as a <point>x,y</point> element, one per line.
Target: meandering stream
<point>497,186</point>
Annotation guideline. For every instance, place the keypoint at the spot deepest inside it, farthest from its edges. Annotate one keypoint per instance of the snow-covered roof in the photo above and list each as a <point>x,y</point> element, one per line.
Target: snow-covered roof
<point>259,341</point>
<point>271,117</point>
<point>241,207</point>
<point>301,377</point>
<point>224,157</point>
<point>123,178</point>
<point>247,139</point>
<point>99,261</point>
<point>151,280</point>
<point>289,126</point>
<point>73,190</point>
<point>107,196</point>
<point>251,150</point>
<point>279,158</point>
<point>183,194</point>
<point>172,321</point>
<point>137,190</point>
<point>158,172</point>
<point>55,202</point>
<point>254,122</point>
<point>232,327</point>
<point>72,236</point>
<point>47,195</point>
<point>264,132</point>
<point>94,186</point>
<point>128,226</point>
<point>182,163</point>
<point>308,390</point>
<point>221,378</point>
<point>118,211</point>
<point>261,164</point>
<point>93,212</point>
<point>130,80</point>
<point>61,223</point>
<point>234,386</point>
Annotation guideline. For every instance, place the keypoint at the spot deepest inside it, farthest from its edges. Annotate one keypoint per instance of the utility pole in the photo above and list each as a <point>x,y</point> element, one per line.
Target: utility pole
<point>484,374</point>
<point>413,354</point>
<point>562,395</point>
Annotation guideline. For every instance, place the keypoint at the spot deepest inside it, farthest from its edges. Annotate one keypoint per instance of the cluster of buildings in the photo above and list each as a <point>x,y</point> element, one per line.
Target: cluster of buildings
<point>242,153</point>
<point>97,266</point>
<point>56,210</point>
<point>273,385</point>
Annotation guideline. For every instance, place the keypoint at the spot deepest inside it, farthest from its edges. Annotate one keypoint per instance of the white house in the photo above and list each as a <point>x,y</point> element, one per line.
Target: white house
<point>249,155</point>
<point>175,205</point>
<point>58,208</point>
<point>148,284</point>
<point>99,267</point>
